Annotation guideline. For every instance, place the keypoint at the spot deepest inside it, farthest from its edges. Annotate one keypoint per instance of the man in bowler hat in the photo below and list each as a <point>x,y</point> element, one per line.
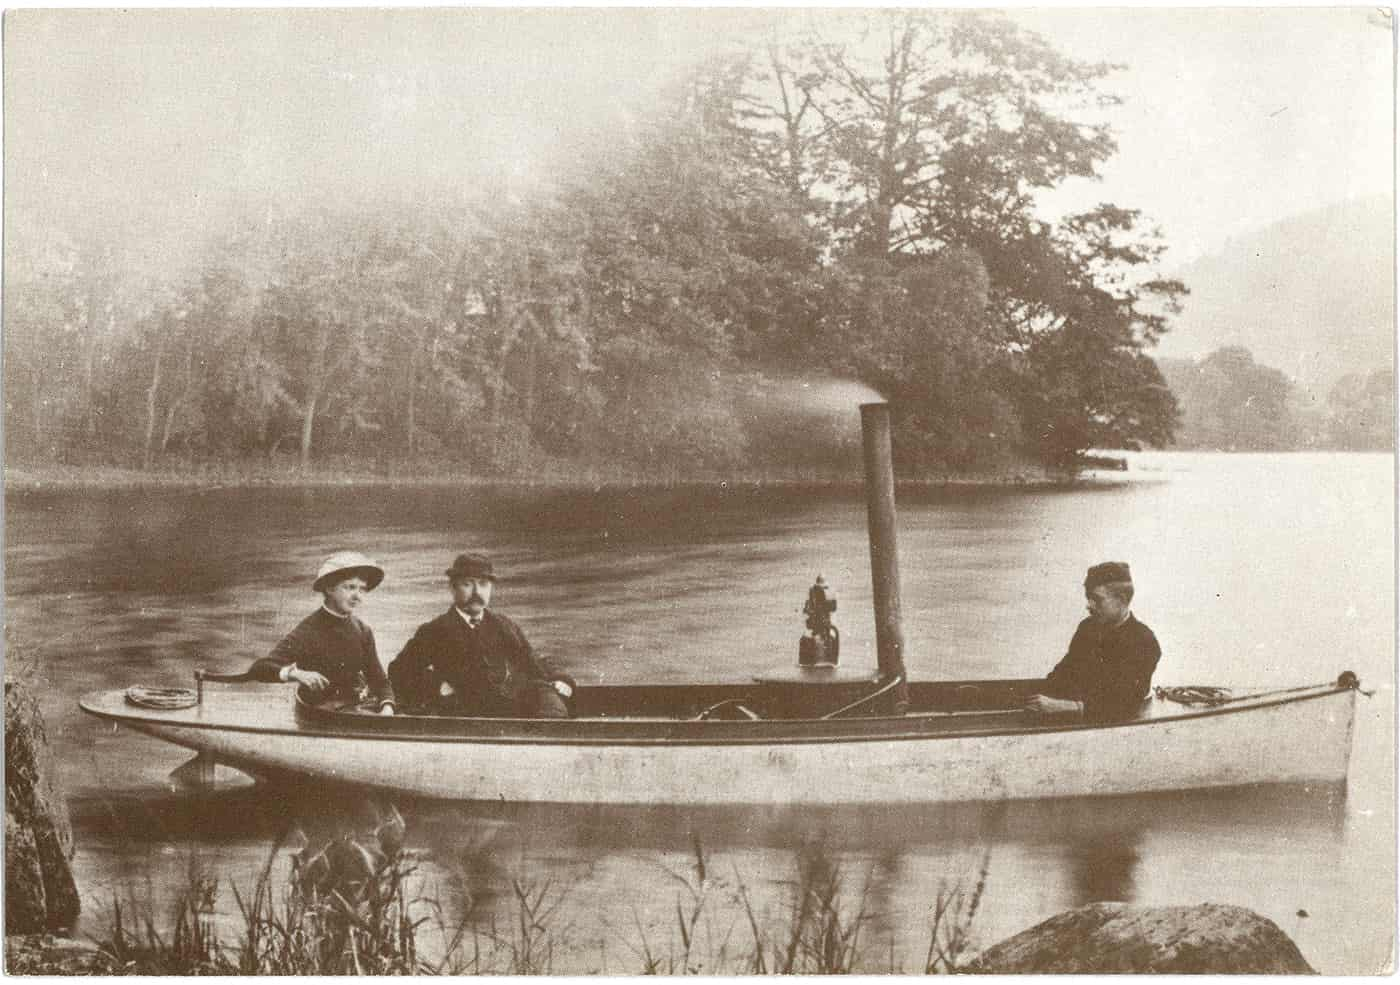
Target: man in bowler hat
<point>1108,670</point>
<point>473,661</point>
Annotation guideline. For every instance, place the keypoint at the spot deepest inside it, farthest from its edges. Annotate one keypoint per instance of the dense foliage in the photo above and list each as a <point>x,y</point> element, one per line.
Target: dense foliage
<point>856,203</point>
<point>1231,403</point>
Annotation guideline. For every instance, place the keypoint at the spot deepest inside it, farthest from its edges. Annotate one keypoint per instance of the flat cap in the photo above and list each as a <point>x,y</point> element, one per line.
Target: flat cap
<point>1107,573</point>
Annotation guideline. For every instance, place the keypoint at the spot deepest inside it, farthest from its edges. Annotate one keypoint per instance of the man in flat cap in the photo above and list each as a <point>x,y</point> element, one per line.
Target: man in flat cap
<point>1108,670</point>
<point>473,661</point>
<point>331,654</point>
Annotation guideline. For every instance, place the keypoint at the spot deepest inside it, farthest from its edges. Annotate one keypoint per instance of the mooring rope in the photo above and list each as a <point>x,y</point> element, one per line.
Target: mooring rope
<point>162,697</point>
<point>893,683</point>
<point>1209,696</point>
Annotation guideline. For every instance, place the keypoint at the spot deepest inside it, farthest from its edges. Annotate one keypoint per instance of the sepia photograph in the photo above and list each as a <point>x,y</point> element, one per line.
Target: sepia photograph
<point>699,491</point>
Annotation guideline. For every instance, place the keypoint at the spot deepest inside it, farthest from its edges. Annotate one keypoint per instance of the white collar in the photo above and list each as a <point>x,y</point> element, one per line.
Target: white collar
<point>468,619</point>
<point>331,612</point>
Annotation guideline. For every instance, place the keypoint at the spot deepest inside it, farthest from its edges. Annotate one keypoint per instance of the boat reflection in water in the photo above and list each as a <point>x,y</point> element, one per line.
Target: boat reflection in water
<point>623,869</point>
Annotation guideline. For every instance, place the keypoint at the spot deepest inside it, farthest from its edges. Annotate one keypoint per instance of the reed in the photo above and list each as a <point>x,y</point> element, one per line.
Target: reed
<point>190,945</point>
<point>821,934</point>
<point>950,927</point>
<point>820,930</point>
<point>694,919</point>
<point>349,908</point>
<point>345,910</point>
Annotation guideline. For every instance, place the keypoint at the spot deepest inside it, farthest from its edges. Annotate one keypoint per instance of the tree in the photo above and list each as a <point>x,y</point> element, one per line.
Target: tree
<point>913,126</point>
<point>916,329</point>
<point>159,334</point>
<point>527,355</point>
<point>923,134</point>
<point>1231,403</point>
<point>1081,325</point>
<point>44,320</point>
<point>1361,412</point>
<point>690,261</point>
<point>236,388</point>
<point>314,315</point>
<point>858,201</point>
<point>351,286</point>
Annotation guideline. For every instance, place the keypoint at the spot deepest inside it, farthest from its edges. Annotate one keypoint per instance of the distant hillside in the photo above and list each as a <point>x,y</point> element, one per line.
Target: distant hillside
<point>1310,295</point>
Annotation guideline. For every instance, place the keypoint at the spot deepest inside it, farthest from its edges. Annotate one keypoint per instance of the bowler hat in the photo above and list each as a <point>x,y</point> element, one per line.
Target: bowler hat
<point>344,564</point>
<point>471,566</point>
<point>1107,573</point>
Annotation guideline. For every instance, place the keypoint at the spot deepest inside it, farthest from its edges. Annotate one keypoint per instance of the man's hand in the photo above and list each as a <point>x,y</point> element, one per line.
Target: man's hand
<point>308,678</point>
<point>1042,705</point>
<point>563,690</point>
<point>386,710</point>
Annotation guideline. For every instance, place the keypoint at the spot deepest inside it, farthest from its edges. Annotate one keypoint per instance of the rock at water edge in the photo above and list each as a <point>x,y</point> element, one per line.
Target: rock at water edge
<point>1118,938</point>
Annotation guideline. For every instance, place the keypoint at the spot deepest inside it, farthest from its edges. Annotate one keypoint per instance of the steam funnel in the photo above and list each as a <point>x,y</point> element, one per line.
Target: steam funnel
<point>884,554</point>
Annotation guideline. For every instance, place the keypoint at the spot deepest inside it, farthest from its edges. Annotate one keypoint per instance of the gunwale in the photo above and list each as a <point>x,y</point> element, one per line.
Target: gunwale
<point>302,720</point>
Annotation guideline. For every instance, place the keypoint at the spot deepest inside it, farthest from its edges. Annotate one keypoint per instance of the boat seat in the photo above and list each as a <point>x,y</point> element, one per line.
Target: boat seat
<point>728,710</point>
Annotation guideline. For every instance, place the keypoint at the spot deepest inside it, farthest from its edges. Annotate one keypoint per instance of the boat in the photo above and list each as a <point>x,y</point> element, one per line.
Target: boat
<point>612,752</point>
<point>814,733</point>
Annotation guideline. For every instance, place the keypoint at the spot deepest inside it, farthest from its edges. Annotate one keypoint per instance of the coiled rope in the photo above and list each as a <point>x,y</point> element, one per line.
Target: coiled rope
<point>169,698</point>
<point>1198,696</point>
<point>1209,696</point>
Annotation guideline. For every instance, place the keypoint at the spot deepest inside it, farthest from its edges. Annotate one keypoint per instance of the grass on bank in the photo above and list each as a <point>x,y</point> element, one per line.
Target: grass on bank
<point>348,909</point>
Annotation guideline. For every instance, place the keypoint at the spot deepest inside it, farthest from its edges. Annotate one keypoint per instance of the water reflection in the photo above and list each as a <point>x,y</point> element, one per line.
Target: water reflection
<point>621,864</point>
<point>1104,870</point>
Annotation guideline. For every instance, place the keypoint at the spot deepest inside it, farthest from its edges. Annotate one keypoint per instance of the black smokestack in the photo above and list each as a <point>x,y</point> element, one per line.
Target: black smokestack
<point>884,554</point>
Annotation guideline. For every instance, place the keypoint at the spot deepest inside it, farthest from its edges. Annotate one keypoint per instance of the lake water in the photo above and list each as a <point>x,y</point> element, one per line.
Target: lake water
<point>1251,569</point>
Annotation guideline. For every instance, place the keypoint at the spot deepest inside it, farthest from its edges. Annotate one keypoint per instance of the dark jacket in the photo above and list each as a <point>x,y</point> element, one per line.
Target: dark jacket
<point>1109,668</point>
<point>490,670</point>
<point>342,649</point>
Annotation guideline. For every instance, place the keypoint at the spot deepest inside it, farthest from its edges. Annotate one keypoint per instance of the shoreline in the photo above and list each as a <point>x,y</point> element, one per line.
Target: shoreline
<point>30,480</point>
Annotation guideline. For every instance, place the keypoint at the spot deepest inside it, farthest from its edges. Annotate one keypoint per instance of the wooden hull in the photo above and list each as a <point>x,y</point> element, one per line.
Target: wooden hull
<point>1297,736</point>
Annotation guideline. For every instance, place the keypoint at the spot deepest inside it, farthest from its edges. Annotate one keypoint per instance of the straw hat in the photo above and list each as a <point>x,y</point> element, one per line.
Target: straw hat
<point>343,564</point>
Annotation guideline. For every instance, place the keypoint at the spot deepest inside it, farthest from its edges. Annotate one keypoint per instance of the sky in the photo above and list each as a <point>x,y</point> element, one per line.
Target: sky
<point>160,122</point>
<point>1235,117</point>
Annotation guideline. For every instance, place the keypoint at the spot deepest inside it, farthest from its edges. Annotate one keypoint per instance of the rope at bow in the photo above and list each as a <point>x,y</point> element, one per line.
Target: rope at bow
<point>168,698</point>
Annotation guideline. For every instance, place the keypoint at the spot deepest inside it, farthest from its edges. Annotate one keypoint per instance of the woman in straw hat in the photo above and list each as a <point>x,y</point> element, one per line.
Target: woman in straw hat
<point>331,654</point>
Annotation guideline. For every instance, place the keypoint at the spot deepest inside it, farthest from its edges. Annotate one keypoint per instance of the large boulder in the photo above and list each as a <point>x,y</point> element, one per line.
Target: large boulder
<point>40,893</point>
<point>1118,938</point>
